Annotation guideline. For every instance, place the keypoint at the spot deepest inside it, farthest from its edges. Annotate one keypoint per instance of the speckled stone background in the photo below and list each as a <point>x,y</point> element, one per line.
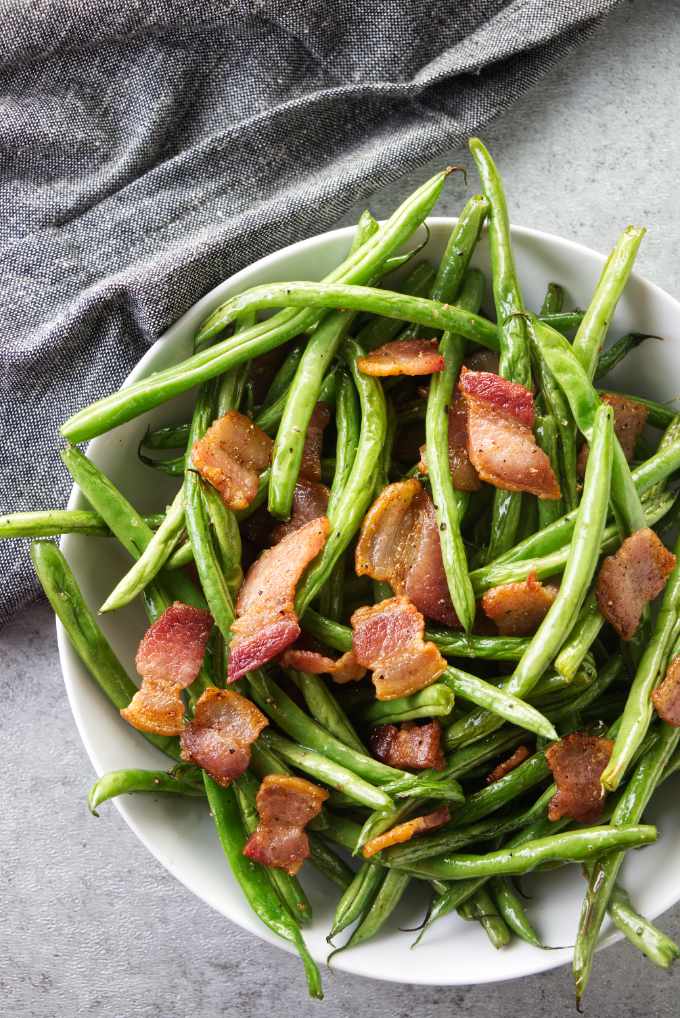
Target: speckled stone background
<point>91,925</point>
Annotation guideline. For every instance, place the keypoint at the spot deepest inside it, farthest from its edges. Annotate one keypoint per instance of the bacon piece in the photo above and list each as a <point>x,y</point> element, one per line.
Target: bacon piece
<point>169,658</point>
<point>505,766</point>
<point>463,474</point>
<point>519,608</point>
<point>631,578</point>
<point>409,747</point>
<point>219,737</point>
<point>404,832</point>
<point>310,465</point>
<point>388,639</point>
<point>629,423</point>
<point>501,444</point>
<point>173,648</point>
<point>310,501</point>
<point>577,761</point>
<point>403,357</point>
<point>156,707</point>
<point>230,456</point>
<point>285,804</point>
<point>666,696</point>
<point>399,543</point>
<point>342,669</point>
<point>266,622</point>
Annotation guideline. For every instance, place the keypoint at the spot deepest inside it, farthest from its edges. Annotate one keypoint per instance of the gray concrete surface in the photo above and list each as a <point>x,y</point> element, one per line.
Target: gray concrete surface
<point>91,925</point>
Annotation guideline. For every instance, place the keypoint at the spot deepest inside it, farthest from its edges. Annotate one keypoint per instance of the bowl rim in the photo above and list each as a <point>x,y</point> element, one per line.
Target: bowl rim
<point>546,960</point>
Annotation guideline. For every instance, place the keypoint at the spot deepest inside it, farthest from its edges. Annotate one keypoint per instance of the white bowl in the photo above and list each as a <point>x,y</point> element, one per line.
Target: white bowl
<point>179,832</point>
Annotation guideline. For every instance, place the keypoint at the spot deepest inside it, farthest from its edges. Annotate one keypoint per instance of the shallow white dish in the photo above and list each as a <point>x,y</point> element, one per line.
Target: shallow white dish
<point>179,832</point>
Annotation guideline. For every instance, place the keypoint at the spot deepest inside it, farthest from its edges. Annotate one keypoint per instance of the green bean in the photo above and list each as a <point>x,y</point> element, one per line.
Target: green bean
<point>53,522</point>
<point>325,709</point>
<point>171,436</point>
<point>129,781</point>
<point>638,711</point>
<point>563,321</point>
<point>570,846</point>
<point>481,908</point>
<point>653,942</point>
<point>390,893</point>
<point>341,830</point>
<point>328,863</point>
<point>610,358</point>
<point>264,336</point>
<point>486,747</point>
<point>436,700</point>
<point>659,415</point>
<point>85,636</point>
<point>382,820</point>
<point>227,537</point>
<point>496,648</point>
<point>514,351</point>
<point>629,809</point>
<point>152,559</point>
<point>377,330</point>
<point>346,515</point>
<point>592,331</point>
<point>512,911</point>
<point>553,302</point>
<point>327,771</point>
<point>580,640</point>
<point>557,405</point>
<point>492,797</point>
<point>545,429</point>
<point>348,427</point>
<point>449,505</point>
<point>357,898</point>
<point>253,878</point>
<point>501,703</point>
<point>269,417</point>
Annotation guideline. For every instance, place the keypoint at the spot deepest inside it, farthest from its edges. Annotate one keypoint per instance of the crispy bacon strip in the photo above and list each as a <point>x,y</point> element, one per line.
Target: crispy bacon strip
<point>403,357</point>
<point>388,639</point>
<point>501,444</point>
<point>629,423</point>
<point>505,766</point>
<point>169,658</point>
<point>577,761</point>
<point>310,466</point>
<point>218,739</point>
<point>519,608</point>
<point>404,832</point>
<point>230,456</point>
<point>463,474</point>
<point>266,621</point>
<point>666,696</point>
<point>310,501</point>
<point>399,543</point>
<point>342,669</point>
<point>285,804</point>
<point>409,747</point>
<point>631,578</point>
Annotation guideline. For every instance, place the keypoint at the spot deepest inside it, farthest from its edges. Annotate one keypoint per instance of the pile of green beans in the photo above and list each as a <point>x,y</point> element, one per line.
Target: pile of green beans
<point>495,692</point>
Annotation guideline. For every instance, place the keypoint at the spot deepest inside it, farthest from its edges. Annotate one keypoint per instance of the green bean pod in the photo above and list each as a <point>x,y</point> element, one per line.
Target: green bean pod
<point>390,893</point>
<point>434,701</point>
<point>612,357</point>
<point>325,709</point>
<point>357,898</point>
<point>481,907</point>
<point>54,522</point>
<point>512,910</point>
<point>498,701</point>
<point>129,781</point>
<point>546,433</point>
<point>644,935</point>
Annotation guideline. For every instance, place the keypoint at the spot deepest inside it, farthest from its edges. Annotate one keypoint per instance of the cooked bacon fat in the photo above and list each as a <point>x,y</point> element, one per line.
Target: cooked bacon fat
<point>266,622</point>
<point>519,608</point>
<point>173,648</point>
<point>310,465</point>
<point>399,543</point>
<point>404,832</point>
<point>310,501</point>
<point>388,639</point>
<point>157,708</point>
<point>577,761</point>
<point>220,735</point>
<point>169,658</point>
<point>501,444</point>
<point>666,696</point>
<point>342,669</point>
<point>632,577</point>
<point>285,804</point>
<point>503,768</point>
<point>231,455</point>
<point>410,746</point>
<point>403,357</point>
<point>629,423</point>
